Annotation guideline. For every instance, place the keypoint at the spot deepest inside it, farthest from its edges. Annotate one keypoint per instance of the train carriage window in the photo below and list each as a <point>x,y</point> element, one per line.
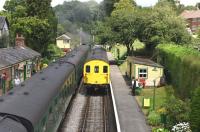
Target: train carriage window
<point>88,69</point>
<point>96,69</point>
<point>105,69</point>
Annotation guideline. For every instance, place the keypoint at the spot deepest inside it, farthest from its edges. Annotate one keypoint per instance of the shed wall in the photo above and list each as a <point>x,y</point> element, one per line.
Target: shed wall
<point>153,73</point>
<point>62,44</point>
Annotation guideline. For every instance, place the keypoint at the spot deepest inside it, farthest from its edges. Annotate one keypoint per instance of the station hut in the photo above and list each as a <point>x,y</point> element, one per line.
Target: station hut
<point>145,70</point>
<point>64,42</point>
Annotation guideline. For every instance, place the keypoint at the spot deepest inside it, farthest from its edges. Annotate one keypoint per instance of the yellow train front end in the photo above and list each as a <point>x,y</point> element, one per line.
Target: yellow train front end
<point>96,72</point>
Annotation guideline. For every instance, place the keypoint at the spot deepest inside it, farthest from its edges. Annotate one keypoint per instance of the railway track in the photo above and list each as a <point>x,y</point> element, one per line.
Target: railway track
<point>95,116</point>
<point>89,112</point>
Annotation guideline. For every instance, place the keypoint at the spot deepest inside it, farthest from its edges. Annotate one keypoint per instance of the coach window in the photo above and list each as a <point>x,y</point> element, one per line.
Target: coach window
<point>105,69</point>
<point>88,69</point>
<point>96,69</point>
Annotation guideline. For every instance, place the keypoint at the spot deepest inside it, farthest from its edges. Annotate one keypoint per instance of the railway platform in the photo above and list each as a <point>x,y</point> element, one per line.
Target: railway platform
<point>129,116</point>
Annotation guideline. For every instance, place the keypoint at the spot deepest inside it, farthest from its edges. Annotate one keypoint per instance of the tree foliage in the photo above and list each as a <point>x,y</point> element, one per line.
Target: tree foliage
<point>150,25</point>
<point>123,23</point>
<point>102,32</point>
<point>109,5</point>
<point>74,15</point>
<point>35,19</point>
<point>35,32</point>
<point>161,24</point>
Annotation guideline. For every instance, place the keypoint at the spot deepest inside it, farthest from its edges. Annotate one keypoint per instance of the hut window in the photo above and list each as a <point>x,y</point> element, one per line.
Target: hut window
<point>88,69</point>
<point>143,73</point>
<point>96,69</point>
<point>105,69</point>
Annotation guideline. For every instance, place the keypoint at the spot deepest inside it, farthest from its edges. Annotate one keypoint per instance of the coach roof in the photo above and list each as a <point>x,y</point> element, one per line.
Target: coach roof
<point>98,53</point>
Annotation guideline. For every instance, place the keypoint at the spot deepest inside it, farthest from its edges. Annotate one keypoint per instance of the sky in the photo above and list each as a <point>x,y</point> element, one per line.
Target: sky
<point>139,2</point>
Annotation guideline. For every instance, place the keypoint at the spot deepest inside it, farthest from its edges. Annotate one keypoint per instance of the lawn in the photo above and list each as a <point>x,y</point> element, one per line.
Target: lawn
<point>122,51</point>
<point>160,96</point>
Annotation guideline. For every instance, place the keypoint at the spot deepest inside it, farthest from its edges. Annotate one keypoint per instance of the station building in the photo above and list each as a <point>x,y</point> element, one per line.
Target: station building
<point>64,42</point>
<point>145,70</point>
<point>19,61</point>
<point>192,18</point>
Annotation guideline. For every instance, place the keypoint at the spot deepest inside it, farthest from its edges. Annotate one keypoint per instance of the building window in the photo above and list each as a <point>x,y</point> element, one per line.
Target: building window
<point>96,69</point>
<point>194,27</point>
<point>143,73</point>
<point>194,20</point>
<point>66,41</point>
<point>87,69</point>
<point>105,69</point>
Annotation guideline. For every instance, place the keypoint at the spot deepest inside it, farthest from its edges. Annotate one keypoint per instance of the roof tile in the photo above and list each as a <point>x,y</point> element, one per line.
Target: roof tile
<point>14,55</point>
<point>191,14</point>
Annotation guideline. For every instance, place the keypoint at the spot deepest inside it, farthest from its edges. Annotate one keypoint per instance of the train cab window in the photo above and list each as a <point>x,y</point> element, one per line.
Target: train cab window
<point>105,69</point>
<point>96,69</point>
<point>88,69</point>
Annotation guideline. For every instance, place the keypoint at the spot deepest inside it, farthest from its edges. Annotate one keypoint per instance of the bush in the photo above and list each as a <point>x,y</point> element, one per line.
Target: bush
<point>138,91</point>
<point>154,118</point>
<point>195,111</point>
<point>176,110</point>
<point>182,67</point>
<point>160,130</point>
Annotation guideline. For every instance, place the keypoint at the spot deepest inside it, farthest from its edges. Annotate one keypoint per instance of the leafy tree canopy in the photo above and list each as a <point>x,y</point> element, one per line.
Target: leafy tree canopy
<point>35,19</point>
<point>123,23</point>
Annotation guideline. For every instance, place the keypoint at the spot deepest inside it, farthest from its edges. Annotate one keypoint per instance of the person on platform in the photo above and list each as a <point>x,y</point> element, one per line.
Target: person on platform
<point>17,81</point>
<point>133,84</point>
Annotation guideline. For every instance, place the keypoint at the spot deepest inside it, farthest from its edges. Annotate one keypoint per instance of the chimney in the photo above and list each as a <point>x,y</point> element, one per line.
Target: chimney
<point>19,41</point>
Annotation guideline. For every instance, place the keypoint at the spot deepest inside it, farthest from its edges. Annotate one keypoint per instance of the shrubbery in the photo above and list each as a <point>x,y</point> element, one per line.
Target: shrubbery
<point>182,67</point>
<point>159,130</point>
<point>195,111</point>
<point>154,118</point>
<point>176,111</point>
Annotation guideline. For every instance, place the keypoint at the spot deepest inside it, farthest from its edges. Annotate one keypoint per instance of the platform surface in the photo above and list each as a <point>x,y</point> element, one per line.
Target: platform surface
<point>131,118</point>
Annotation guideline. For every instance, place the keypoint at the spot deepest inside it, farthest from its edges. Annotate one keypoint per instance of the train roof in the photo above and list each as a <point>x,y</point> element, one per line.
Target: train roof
<point>98,53</point>
<point>10,125</point>
<point>77,51</point>
<point>31,99</point>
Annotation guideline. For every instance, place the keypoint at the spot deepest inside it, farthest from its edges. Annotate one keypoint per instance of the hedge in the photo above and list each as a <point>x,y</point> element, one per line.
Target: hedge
<point>182,67</point>
<point>195,111</point>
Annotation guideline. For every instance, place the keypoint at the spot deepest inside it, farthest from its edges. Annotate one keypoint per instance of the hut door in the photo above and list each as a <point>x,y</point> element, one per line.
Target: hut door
<point>130,66</point>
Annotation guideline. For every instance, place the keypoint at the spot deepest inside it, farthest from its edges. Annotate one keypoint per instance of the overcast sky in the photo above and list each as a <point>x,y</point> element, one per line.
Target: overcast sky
<point>139,2</point>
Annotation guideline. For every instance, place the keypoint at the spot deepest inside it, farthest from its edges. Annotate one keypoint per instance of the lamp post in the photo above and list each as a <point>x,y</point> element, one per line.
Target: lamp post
<point>154,93</point>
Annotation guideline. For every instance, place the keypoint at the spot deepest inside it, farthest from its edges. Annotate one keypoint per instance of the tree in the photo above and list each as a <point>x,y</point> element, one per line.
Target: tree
<point>102,32</point>
<point>198,5</point>
<point>123,24</point>
<point>74,15</point>
<point>35,31</point>
<point>53,52</point>
<point>195,111</point>
<point>109,5</point>
<point>34,19</point>
<point>160,25</point>
<point>43,10</point>
<point>38,8</point>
